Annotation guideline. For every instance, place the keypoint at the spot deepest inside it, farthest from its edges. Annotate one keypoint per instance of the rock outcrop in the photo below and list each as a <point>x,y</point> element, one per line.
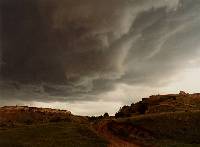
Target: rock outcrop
<point>162,103</point>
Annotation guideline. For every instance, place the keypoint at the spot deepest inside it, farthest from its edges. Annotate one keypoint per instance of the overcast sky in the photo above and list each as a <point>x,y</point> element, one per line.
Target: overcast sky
<point>93,56</point>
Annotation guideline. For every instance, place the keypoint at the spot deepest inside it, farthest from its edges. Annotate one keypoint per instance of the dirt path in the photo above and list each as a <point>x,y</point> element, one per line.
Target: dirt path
<point>115,141</point>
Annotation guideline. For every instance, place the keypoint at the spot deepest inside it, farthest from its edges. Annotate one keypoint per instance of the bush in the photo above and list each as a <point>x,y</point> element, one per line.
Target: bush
<point>122,114</point>
<point>142,107</point>
<point>95,118</point>
<point>106,115</point>
<point>28,121</point>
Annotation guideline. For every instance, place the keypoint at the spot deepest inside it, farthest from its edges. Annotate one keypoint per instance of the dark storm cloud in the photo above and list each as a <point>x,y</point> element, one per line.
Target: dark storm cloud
<point>73,50</point>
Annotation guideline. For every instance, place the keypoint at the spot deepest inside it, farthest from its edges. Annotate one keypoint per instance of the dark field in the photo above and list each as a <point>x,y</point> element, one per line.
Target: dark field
<point>165,129</point>
<point>175,129</point>
<point>65,134</point>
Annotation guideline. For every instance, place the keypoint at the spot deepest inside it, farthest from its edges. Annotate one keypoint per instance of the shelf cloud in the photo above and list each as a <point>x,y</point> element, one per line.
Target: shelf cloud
<point>70,50</point>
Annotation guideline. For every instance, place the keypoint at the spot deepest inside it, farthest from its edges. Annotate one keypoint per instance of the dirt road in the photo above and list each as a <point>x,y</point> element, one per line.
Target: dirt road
<point>102,129</point>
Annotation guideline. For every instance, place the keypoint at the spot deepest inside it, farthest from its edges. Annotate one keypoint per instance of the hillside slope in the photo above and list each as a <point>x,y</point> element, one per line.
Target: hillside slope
<point>14,115</point>
<point>162,103</point>
<point>22,126</point>
<point>60,134</point>
<point>160,120</point>
<point>163,129</point>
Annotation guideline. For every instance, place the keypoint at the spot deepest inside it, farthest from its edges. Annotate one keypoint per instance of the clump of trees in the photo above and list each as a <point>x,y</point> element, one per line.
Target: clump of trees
<point>106,115</point>
<point>142,107</point>
<point>127,111</point>
<point>97,118</point>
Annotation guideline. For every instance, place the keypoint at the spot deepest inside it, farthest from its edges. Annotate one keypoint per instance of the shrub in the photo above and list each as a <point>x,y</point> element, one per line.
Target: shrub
<point>106,115</point>
<point>142,107</point>
<point>28,121</point>
<point>122,114</point>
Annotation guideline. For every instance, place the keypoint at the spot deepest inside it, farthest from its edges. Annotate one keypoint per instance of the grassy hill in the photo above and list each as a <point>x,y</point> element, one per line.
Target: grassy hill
<point>22,126</point>
<point>164,129</point>
<point>160,120</point>
<point>60,134</point>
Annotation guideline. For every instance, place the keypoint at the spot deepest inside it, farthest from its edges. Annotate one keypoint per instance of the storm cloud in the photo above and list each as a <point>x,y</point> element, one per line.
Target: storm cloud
<point>70,50</point>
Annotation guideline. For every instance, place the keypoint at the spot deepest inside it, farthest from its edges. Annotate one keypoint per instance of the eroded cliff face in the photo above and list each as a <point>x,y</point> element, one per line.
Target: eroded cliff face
<point>163,103</point>
<point>11,115</point>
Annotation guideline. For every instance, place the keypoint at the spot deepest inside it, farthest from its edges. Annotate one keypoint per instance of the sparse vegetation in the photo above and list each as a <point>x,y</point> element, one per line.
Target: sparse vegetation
<point>125,111</point>
<point>161,129</point>
<point>162,103</point>
<point>60,134</point>
<point>160,120</point>
<point>95,118</point>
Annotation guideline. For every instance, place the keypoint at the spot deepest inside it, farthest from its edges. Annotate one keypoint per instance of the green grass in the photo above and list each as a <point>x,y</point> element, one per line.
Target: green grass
<point>65,134</point>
